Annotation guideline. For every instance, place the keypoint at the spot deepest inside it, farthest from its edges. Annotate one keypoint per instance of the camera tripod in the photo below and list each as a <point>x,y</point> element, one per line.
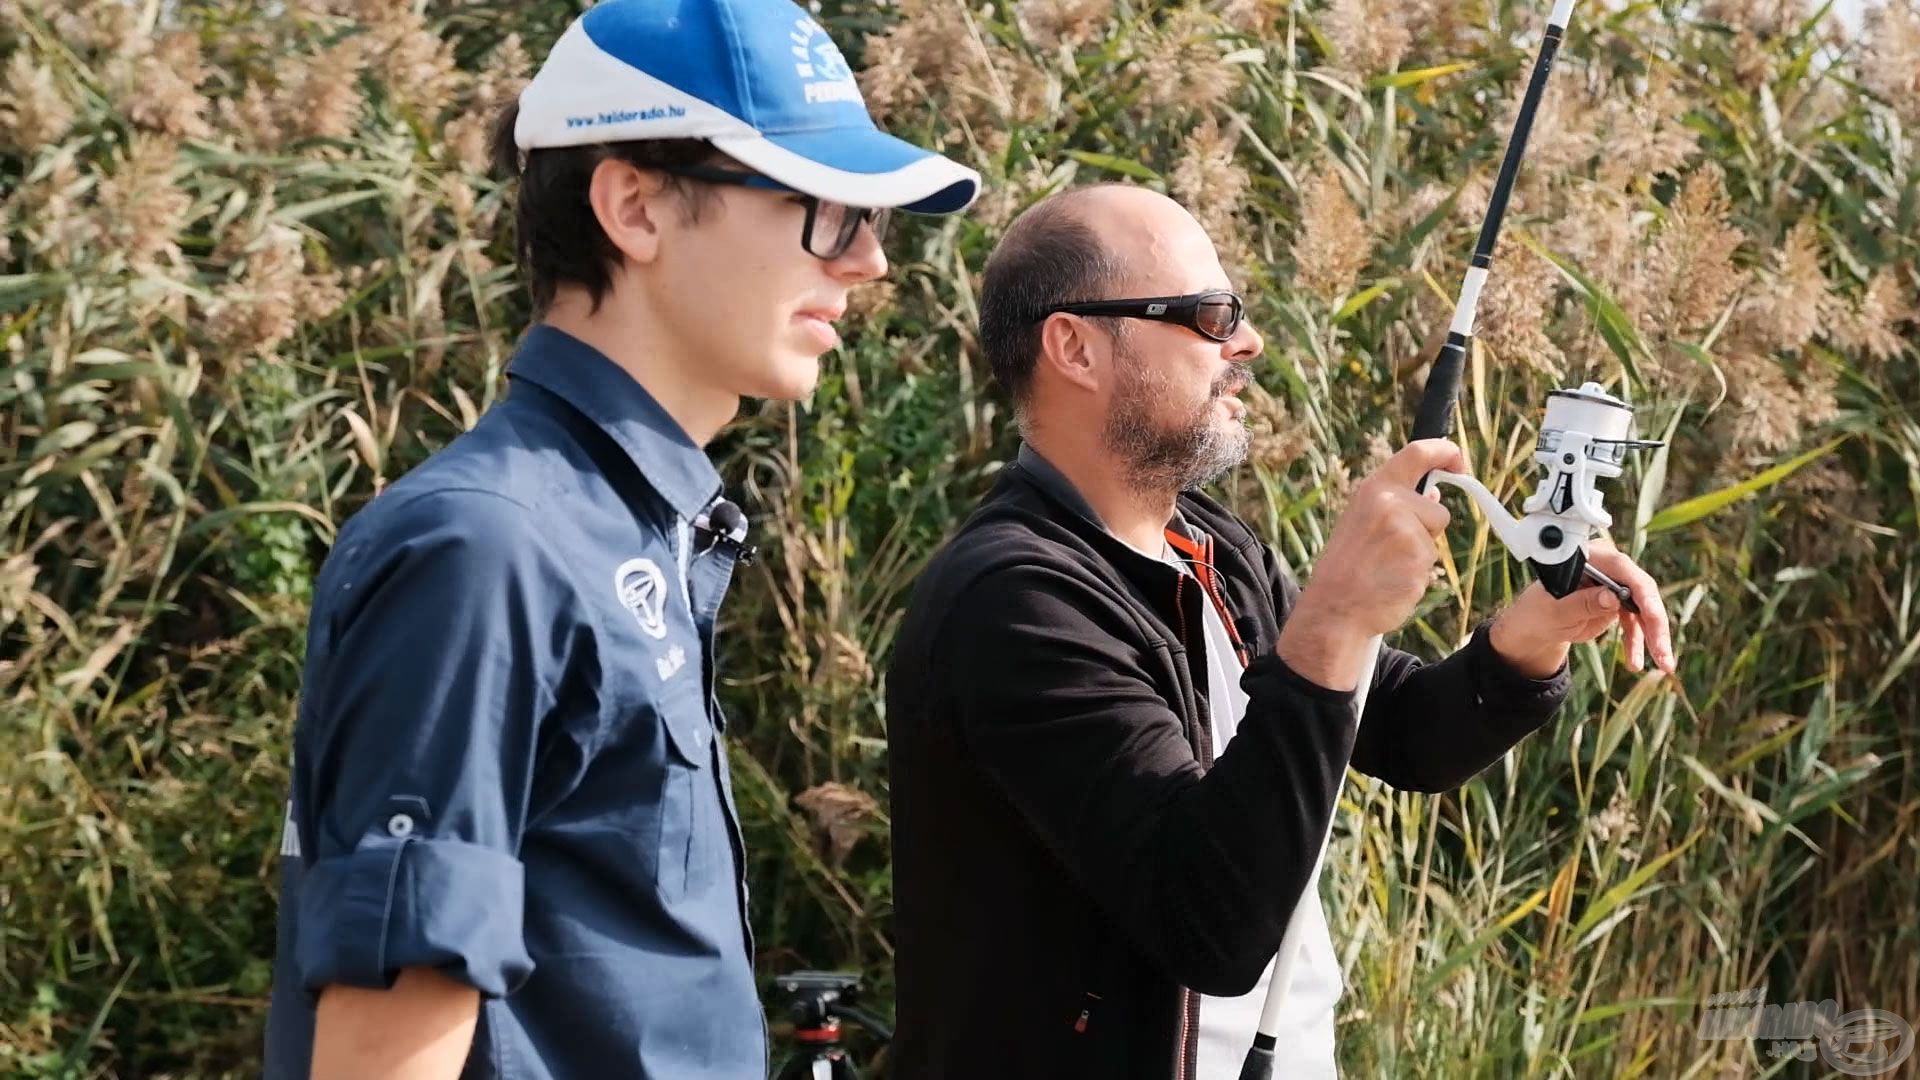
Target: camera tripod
<point>818,1001</point>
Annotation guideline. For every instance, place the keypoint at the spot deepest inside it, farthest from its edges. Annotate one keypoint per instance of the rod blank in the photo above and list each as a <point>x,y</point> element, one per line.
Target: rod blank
<point>1434,420</point>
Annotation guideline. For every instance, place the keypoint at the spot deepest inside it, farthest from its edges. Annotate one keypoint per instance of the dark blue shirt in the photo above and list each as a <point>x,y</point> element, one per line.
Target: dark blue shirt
<point>508,764</point>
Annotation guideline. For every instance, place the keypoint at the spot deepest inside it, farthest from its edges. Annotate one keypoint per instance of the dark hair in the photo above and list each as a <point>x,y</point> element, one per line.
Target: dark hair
<point>557,238</point>
<point>1050,255</point>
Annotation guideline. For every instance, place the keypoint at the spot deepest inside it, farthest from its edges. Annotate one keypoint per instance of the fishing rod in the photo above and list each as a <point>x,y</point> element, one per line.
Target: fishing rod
<point>1584,438</point>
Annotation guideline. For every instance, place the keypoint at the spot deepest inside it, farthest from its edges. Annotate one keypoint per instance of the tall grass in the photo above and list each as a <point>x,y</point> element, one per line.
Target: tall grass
<point>251,271</point>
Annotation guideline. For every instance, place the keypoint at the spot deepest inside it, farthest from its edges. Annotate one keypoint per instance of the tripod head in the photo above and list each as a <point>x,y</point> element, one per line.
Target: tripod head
<point>815,998</point>
<point>818,1001</point>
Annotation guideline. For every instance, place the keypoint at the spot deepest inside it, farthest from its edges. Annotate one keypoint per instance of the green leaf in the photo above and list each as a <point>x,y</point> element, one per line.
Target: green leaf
<point>1624,716</point>
<point>1654,482</point>
<point>1739,800</point>
<point>1111,163</point>
<point>22,289</point>
<point>77,1053</point>
<point>1617,1008</point>
<point>218,518</point>
<point>1364,297</point>
<point>1434,979</point>
<point>1704,358</point>
<point>1401,79</point>
<point>62,439</point>
<point>1713,501</point>
<point>1624,891</point>
<point>97,450</point>
<point>303,210</point>
<point>1615,326</point>
<point>1894,670</point>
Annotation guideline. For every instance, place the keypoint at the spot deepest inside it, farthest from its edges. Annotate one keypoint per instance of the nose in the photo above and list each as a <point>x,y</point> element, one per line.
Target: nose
<point>864,260</point>
<point>1245,344</point>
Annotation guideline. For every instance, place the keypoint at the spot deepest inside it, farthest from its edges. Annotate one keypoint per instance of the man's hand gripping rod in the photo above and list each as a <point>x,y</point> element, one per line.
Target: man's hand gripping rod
<point>1584,438</point>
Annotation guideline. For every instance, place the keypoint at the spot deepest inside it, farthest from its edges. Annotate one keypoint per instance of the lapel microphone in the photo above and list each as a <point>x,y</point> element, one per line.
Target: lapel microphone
<point>723,523</point>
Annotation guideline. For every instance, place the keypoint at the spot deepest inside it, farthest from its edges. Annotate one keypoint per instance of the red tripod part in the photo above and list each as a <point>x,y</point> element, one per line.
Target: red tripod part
<point>828,1032</point>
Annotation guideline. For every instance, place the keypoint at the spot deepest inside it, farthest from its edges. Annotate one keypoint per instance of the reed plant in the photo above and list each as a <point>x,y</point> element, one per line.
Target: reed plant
<point>252,268</point>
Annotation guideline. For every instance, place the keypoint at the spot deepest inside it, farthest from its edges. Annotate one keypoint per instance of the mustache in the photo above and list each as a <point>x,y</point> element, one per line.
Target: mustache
<point>1237,375</point>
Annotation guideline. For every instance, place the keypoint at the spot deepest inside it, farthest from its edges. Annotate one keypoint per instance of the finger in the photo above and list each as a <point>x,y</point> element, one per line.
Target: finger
<point>1656,628</point>
<point>1584,614</point>
<point>1433,516</point>
<point>1654,624</point>
<point>1634,641</point>
<point>1599,609</point>
<point>1418,458</point>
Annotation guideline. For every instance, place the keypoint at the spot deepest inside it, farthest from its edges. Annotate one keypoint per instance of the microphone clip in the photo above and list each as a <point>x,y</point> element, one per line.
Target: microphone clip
<point>725,525</point>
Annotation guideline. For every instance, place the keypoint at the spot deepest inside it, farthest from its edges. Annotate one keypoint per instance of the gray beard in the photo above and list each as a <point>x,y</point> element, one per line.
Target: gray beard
<point>1183,456</point>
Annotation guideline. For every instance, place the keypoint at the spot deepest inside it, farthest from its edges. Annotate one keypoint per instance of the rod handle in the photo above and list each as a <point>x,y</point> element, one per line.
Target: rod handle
<point>1259,1063</point>
<point>1435,418</point>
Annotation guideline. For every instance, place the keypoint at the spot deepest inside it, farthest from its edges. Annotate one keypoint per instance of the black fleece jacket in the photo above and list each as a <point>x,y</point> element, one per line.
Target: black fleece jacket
<point>1072,867</point>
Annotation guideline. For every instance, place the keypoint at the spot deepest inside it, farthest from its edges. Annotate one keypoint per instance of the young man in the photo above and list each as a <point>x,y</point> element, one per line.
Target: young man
<point>1117,728</point>
<point>512,848</point>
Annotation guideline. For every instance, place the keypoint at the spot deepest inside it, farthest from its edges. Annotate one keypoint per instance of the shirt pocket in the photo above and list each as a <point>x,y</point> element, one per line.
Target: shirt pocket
<point>690,829</point>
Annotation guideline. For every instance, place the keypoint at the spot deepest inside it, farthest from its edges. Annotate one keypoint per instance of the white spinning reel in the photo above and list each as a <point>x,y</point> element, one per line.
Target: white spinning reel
<point>1584,439</point>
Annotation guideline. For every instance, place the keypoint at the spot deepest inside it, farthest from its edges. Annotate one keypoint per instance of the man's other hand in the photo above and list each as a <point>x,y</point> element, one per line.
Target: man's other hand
<point>1533,634</point>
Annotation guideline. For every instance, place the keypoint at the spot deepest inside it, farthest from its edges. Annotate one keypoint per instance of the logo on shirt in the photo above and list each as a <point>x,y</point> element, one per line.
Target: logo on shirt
<point>642,588</point>
<point>670,663</point>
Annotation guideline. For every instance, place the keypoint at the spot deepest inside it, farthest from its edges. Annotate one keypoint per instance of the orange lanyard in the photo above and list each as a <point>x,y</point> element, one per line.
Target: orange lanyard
<point>1201,554</point>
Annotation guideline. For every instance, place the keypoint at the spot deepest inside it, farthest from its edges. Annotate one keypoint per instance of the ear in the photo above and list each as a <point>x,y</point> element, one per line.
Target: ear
<point>1075,350</point>
<point>630,204</point>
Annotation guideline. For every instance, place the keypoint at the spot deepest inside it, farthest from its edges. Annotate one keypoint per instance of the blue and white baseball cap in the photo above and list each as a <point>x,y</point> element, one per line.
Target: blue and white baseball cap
<point>759,79</point>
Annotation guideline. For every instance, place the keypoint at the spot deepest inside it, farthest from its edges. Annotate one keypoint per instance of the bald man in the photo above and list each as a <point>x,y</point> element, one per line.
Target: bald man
<point>1117,726</point>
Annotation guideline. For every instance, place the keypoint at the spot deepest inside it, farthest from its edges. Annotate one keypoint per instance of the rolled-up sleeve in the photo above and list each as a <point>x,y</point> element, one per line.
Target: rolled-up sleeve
<point>440,628</point>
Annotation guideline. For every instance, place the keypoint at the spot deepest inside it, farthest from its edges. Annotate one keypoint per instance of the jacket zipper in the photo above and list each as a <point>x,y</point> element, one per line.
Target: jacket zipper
<point>1086,1014</point>
<point>1210,590</point>
<point>1188,1006</point>
<point>1179,609</point>
<point>1187,1000</point>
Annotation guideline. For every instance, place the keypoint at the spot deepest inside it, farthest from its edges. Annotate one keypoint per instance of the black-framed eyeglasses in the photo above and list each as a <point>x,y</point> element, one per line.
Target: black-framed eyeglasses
<point>830,226</point>
<point>1215,314</point>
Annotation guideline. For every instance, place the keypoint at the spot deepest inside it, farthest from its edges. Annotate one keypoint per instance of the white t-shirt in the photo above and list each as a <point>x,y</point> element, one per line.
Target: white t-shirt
<point>1303,1048</point>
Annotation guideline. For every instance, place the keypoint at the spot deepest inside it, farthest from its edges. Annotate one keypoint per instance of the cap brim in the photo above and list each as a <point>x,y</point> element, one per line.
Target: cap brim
<point>858,167</point>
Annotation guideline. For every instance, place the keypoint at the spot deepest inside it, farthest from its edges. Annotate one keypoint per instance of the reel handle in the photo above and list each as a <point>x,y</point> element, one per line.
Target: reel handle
<point>1593,574</point>
<point>1562,575</point>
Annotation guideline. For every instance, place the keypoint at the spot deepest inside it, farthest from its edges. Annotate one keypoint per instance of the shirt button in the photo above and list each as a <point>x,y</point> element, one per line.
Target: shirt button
<point>400,825</point>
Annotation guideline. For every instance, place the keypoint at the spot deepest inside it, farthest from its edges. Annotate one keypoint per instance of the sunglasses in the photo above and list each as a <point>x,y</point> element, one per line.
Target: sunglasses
<point>830,226</point>
<point>1215,314</point>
